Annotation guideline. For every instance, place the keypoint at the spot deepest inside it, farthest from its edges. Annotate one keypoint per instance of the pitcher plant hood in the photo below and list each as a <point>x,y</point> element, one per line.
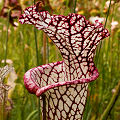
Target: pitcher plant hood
<point>64,83</point>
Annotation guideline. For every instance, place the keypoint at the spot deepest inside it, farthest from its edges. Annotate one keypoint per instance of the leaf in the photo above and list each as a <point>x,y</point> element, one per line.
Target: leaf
<point>64,83</point>
<point>33,113</point>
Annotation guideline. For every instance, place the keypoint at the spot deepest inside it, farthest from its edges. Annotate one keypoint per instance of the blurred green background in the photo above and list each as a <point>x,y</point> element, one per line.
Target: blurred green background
<point>20,51</point>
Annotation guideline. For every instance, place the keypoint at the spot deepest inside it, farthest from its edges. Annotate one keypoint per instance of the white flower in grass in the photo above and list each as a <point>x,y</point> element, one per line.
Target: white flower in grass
<point>8,61</point>
<point>114,25</point>
<point>119,9</point>
<point>97,4</point>
<point>108,3</point>
<point>96,18</point>
<point>113,90</point>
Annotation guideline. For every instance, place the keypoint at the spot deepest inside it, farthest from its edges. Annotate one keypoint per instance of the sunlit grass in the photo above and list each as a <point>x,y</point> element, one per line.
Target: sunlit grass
<point>21,49</point>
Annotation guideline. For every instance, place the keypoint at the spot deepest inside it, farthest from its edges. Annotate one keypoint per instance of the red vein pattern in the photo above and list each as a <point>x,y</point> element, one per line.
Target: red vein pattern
<point>64,83</point>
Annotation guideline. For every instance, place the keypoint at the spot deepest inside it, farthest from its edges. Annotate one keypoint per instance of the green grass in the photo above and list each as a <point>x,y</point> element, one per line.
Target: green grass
<point>21,49</point>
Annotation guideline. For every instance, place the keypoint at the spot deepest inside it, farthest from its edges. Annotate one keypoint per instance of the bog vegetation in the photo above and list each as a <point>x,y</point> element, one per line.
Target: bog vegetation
<point>24,47</point>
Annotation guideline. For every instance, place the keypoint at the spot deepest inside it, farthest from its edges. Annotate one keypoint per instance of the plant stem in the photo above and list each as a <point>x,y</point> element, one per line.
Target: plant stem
<point>75,5</point>
<point>48,51</point>
<point>36,46</point>
<point>37,56</point>
<point>4,105</point>
<point>44,106</point>
<point>107,14</point>
<point>104,27</point>
<point>6,42</point>
<point>111,103</point>
<point>44,62</point>
<point>32,114</point>
<point>44,48</point>
<point>6,51</point>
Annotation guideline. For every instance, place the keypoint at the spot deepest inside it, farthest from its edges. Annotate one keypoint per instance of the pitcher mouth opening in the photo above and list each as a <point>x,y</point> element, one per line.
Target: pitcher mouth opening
<point>34,88</point>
